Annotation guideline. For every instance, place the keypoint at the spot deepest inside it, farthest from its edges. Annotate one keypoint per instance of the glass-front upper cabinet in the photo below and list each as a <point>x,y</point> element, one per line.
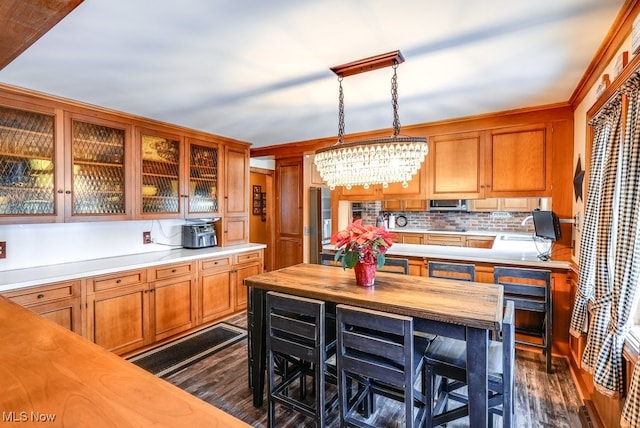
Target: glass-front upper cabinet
<point>99,169</point>
<point>27,161</point>
<point>203,178</point>
<point>160,178</point>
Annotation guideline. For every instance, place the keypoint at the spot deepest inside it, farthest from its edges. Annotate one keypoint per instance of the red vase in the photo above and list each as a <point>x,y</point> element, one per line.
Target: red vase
<point>365,273</point>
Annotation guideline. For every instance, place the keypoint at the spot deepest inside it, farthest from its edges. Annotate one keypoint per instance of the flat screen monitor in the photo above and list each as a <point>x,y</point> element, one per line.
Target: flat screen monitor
<point>546,224</point>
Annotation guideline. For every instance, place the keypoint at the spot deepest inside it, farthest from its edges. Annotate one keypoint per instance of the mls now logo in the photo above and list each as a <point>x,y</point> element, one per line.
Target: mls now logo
<point>27,417</point>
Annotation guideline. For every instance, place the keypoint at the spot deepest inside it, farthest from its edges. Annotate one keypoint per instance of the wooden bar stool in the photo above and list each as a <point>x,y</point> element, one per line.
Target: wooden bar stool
<point>530,290</point>
<point>380,355</point>
<point>446,361</point>
<point>297,336</point>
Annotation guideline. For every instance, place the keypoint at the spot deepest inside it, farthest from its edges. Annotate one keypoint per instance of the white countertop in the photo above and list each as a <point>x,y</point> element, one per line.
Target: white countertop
<point>486,255</point>
<point>20,278</point>
<point>510,255</point>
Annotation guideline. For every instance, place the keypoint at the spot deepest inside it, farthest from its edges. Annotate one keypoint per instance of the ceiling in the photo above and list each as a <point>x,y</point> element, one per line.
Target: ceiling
<point>258,71</point>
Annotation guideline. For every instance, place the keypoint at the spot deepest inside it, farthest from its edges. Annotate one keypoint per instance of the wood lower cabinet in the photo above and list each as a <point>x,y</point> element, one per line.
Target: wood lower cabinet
<point>247,264</point>
<point>445,239</point>
<point>172,291</point>
<point>479,241</point>
<point>221,283</point>
<point>59,303</point>
<point>129,310</point>
<point>118,311</point>
<point>214,288</point>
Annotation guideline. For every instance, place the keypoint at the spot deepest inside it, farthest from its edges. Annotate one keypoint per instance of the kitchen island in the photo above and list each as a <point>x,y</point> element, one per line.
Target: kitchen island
<point>52,377</point>
<point>462,310</point>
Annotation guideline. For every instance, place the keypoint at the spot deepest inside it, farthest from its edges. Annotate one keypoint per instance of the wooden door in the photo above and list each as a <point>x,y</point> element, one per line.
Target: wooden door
<point>288,212</point>
<point>456,166</point>
<point>517,162</point>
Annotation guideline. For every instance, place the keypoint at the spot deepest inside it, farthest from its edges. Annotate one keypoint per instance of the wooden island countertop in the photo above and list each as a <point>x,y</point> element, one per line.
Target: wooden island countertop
<point>53,377</point>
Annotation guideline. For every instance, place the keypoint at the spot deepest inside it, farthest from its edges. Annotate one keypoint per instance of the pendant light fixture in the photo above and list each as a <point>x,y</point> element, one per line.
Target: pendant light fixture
<point>394,159</point>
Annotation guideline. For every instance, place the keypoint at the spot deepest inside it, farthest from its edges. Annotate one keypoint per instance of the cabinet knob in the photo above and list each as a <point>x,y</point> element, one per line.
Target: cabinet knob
<point>68,192</point>
<point>173,270</point>
<point>118,281</point>
<point>60,191</point>
<point>40,296</point>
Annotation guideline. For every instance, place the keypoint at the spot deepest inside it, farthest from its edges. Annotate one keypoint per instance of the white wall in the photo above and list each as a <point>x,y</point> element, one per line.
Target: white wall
<point>46,244</point>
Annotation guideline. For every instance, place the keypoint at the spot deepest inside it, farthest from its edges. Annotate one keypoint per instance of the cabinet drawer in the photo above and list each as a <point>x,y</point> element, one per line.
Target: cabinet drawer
<point>44,294</point>
<point>215,263</point>
<point>170,271</point>
<point>118,280</point>
<point>248,256</point>
<point>450,240</point>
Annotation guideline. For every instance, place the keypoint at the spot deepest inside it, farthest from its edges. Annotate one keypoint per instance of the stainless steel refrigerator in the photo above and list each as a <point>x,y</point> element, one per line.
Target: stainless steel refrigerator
<point>320,221</point>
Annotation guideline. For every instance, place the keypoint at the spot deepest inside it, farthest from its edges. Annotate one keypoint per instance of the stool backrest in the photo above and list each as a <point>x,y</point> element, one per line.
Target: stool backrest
<point>529,289</point>
<point>375,345</point>
<point>459,271</point>
<point>395,265</point>
<point>293,324</point>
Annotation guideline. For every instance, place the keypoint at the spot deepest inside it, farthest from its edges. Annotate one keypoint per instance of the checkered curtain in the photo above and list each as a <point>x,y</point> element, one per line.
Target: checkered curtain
<point>599,267</point>
<point>628,267</point>
<point>607,130</point>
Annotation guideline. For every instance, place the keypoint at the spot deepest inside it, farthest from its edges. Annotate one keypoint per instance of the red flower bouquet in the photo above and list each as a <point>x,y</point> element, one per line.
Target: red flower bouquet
<point>362,243</point>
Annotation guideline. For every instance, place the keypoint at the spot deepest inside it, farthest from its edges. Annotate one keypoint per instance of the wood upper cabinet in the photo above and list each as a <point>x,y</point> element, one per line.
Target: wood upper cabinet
<point>98,162</point>
<point>504,204</point>
<point>456,165</point>
<point>518,161</point>
<point>57,166</point>
<point>235,224</point>
<point>505,162</point>
<point>416,189</point>
<point>160,185</point>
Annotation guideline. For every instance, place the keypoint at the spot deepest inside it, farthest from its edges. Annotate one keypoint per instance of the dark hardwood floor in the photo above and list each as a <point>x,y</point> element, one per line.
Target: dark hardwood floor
<point>542,400</point>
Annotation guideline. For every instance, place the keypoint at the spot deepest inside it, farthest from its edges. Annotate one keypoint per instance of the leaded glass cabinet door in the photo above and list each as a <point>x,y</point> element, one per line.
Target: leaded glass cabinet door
<point>27,161</point>
<point>160,187</point>
<point>98,170</point>
<point>203,178</point>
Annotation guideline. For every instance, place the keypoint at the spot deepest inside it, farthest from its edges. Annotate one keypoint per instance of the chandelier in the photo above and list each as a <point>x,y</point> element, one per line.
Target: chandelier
<point>394,159</point>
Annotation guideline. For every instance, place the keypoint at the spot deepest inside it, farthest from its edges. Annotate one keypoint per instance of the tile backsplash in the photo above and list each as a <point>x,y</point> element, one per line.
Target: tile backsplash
<point>454,221</point>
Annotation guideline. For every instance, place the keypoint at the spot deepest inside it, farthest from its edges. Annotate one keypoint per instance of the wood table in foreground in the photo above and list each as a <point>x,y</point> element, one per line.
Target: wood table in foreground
<point>463,310</point>
<point>52,377</point>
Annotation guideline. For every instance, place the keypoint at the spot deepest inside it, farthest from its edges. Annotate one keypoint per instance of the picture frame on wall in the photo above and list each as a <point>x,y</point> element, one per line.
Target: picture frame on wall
<point>257,200</point>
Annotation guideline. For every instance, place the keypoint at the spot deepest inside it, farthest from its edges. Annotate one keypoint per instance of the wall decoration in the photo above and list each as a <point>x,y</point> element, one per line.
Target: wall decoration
<point>264,206</point>
<point>604,84</point>
<point>578,177</point>
<point>621,62</point>
<point>257,200</point>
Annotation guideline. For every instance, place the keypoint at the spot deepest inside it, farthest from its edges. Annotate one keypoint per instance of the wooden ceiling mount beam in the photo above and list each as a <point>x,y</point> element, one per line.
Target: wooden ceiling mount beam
<point>368,64</point>
<point>23,22</point>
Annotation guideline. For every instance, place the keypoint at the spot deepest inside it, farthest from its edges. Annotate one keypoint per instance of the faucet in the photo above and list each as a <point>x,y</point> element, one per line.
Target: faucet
<point>526,219</point>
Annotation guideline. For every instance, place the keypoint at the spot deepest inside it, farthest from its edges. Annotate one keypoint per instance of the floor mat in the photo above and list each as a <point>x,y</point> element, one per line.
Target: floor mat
<point>172,357</point>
